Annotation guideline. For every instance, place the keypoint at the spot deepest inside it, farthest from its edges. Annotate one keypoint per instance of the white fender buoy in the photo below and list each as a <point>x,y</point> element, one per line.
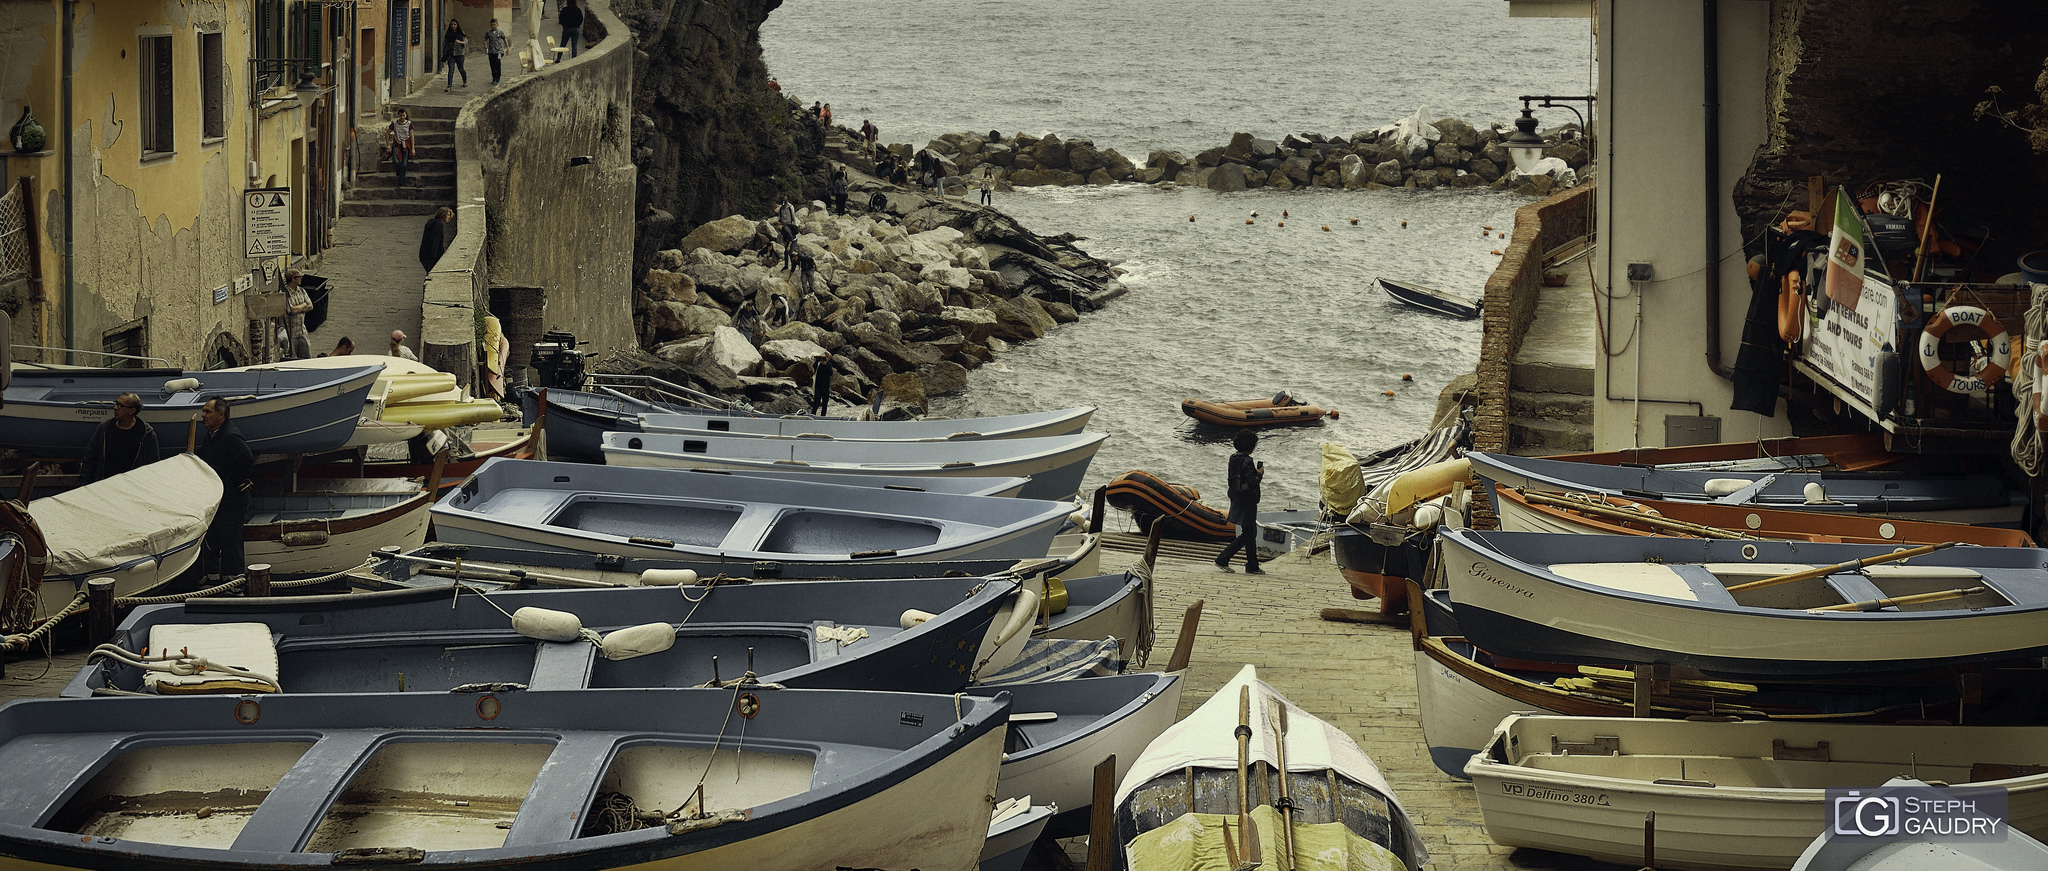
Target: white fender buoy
<point>913,618</point>
<point>1815,493</point>
<point>668,577</point>
<point>1725,486</point>
<point>546,624</point>
<point>638,640</point>
<point>181,385</point>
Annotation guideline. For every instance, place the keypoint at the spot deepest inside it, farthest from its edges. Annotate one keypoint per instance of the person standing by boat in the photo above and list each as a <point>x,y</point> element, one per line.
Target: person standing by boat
<point>224,450</point>
<point>1242,484</point>
<point>297,303</point>
<point>821,386</point>
<point>122,443</point>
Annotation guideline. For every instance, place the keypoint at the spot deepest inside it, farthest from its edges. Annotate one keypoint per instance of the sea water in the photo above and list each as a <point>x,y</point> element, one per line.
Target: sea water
<point>1218,308</point>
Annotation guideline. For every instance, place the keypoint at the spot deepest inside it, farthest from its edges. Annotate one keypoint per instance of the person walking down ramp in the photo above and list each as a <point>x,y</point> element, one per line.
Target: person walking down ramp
<point>1243,487</point>
<point>434,239</point>
<point>571,19</point>
<point>454,48</point>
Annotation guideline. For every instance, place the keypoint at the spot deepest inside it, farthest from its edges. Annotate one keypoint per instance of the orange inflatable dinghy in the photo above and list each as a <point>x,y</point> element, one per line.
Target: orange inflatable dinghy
<point>1281,409</point>
<point>1178,506</point>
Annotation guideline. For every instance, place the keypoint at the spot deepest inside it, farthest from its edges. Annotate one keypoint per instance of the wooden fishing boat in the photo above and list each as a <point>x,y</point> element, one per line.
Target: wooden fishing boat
<point>1279,411</point>
<point>1583,513</point>
<point>657,513</point>
<point>958,486</point>
<point>1856,452</point>
<point>835,635</point>
<point>600,778</point>
<point>1177,800</point>
<point>142,528</point>
<point>1055,464</point>
<point>1013,828</point>
<point>409,397</point>
<point>1060,730</point>
<point>2012,849</point>
<point>1727,795</point>
<point>1758,608</point>
<point>1981,499</point>
<point>329,525</point>
<point>52,412</point>
<point>577,420</point>
<point>482,444</point>
<point>1462,692</point>
<point>1058,422</point>
<point>1151,499</point>
<point>1085,607</point>
<point>1430,299</point>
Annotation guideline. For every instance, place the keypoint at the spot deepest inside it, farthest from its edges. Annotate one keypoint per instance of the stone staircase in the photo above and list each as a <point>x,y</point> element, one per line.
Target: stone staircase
<point>430,178</point>
<point>1550,379</point>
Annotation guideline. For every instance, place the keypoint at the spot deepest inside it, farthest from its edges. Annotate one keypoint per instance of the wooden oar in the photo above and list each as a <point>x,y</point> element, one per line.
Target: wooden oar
<point>1892,601</point>
<point>1245,827</point>
<point>1286,802</point>
<point>1852,565</point>
<point>1600,509</point>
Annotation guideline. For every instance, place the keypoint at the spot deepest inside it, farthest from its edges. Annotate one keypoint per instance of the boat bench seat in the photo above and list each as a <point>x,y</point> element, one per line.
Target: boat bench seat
<point>250,646</point>
<point>1854,587</point>
<point>559,665</point>
<point>26,394</point>
<point>555,806</point>
<point>42,773</point>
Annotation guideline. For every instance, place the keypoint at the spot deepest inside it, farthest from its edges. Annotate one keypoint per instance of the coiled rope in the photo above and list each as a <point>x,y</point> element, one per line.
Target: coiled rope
<point>2026,436</point>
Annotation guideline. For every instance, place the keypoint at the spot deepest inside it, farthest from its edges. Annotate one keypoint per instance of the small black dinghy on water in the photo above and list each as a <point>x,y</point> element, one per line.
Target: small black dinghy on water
<point>1429,299</point>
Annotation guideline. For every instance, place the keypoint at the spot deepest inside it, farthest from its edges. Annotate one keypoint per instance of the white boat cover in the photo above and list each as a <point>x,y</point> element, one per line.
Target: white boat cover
<point>1205,739</point>
<point>144,513</point>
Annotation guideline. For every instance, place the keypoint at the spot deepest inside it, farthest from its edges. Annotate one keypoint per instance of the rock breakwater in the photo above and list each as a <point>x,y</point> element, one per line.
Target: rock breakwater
<point>905,298</point>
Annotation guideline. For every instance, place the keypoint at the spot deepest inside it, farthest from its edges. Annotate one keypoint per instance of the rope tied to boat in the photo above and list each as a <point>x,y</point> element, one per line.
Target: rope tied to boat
<point>25,640</point>
<point>183,663</point>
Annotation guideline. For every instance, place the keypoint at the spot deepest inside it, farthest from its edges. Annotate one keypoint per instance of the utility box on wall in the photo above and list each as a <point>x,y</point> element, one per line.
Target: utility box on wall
<point>1681,430</point>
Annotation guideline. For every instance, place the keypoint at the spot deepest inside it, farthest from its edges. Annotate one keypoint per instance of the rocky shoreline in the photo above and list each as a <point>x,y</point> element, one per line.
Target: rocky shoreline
<point>1412,153</point>
<point>906,299</point>
<point>912,290</point>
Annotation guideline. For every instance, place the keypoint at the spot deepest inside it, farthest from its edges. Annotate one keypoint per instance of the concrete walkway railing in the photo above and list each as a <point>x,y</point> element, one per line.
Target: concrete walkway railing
<point>526,218</point>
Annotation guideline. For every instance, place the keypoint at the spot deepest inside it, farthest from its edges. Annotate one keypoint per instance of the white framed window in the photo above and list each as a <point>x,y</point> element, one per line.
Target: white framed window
<point>158,97</point>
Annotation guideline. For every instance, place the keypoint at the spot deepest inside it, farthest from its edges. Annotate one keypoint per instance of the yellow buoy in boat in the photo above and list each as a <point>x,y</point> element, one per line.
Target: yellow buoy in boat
<point>1055,600</point>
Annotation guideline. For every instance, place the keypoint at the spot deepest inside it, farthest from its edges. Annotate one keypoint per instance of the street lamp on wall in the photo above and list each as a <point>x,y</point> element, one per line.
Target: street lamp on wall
<point>1524,145</point>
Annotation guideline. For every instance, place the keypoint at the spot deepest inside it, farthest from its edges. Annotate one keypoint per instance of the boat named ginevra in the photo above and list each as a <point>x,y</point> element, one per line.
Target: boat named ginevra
<point>699,779</point>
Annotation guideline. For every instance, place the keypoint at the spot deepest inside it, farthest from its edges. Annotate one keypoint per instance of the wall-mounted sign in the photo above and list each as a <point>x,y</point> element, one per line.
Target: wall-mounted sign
<point>242,283</point>
<point>220,294</point>
<point>267,222</point>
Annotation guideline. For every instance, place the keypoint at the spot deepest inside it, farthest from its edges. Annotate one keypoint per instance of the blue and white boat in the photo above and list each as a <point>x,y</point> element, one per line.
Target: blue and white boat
<point>529,504</point>
<point>818,634</point>
<point>1039,424</point>
<point>1055,464</point>
<point>686,779</point>
<point>576,420</point>
<point>1060,730</point>
<point>53,412</point>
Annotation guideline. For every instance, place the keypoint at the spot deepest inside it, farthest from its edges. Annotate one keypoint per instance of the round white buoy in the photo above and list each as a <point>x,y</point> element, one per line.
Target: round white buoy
<point>1725,486</point>
<point>546,624</point>
<point>1815,493</point>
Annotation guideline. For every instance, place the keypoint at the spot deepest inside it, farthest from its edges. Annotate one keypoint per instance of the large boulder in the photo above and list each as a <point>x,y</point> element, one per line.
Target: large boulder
<point>943,377</point>
<point>1240,147</point>
<point>1021,318</point>
<point>670,320</point>
<point>1118,166</point>
<point>1227,178</point>
<point>1446,154</point>
<point>1388,173</point>
<point>723,235</point>
<point>949,277</point>
<point>898,355</point>
<point>1352,171</point>
<point>975,324</point>
<point>729,350</point>
<point>1264,148</point>
<point>1413,135</point>
<point>1050,153</point>
<point>1082,157</point>
<point>1458,132</point>
<point>1169,163</point>
<point>780,354</point>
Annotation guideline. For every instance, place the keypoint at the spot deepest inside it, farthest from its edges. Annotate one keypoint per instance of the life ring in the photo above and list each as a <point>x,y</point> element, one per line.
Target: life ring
<point>1983,373</point>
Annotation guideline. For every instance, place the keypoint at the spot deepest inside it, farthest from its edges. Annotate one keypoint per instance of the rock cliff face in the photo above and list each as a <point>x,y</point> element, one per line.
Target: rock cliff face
<point>709,137</point>
<point>1863,91</point>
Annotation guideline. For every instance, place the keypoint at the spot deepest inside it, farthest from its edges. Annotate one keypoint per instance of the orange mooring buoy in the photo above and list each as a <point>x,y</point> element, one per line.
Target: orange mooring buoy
<point>1247,222</point>
<point>1333,414</point>
<point>1191,219</point>
<point>1404,223</point>
<point>1496,252</point>
<point>1407,377</point>
<point>1388,393</point>
<point>1488,228</point>
<point>1280,223</point>
<point>1354,222</point>
<point>1326,228</point>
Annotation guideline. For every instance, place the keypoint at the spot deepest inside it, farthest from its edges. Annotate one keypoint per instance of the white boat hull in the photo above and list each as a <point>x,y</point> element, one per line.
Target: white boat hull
<point>1731,798</point>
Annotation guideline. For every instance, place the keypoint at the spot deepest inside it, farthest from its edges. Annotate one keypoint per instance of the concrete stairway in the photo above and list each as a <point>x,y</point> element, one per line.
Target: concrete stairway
<point>430,178</point>
<point>1550,380</point>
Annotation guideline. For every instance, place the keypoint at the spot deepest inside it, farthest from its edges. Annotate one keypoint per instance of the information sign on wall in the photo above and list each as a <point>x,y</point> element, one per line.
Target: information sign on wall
<point>267,222</point>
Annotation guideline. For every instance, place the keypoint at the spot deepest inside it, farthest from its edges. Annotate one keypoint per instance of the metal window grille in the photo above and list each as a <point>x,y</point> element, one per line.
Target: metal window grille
<point>14,235</point>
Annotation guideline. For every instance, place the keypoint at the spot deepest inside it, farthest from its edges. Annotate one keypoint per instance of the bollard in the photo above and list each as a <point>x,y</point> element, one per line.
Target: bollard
<point>99,603</point>
<point>259,580</point>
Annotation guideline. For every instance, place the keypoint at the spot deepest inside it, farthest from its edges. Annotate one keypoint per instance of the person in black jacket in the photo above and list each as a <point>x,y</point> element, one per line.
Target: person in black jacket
<point>1243,487</point>
<point>227,453</point>
<point>123,442</point>
<point>434,239</point>
<point>571,19</point>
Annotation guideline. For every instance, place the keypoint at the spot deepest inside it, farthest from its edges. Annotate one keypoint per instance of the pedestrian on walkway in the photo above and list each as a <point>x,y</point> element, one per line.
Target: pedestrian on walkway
<point>343,348</point>
<point>494,45</point>
<point>401,143</point>
<point>572,27</point>
<point>122,443</point>
<point>454,47</point>
<point>398,348</point>
<point>224,450</point>
<point>434,239</point>
<point>297,303</point>
<point>1242,485</point>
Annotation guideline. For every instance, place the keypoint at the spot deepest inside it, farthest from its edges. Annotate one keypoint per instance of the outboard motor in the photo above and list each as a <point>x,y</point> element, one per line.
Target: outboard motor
<point>556,362</point>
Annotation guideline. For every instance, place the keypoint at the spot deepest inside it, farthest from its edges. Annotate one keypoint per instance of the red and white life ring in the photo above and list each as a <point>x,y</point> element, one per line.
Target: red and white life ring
<point>1983,372</point>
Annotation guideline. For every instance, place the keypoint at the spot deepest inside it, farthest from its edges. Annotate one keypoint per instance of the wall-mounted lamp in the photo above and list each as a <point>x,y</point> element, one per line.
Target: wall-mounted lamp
<point>1524,145</point>
<point>582,160</point>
